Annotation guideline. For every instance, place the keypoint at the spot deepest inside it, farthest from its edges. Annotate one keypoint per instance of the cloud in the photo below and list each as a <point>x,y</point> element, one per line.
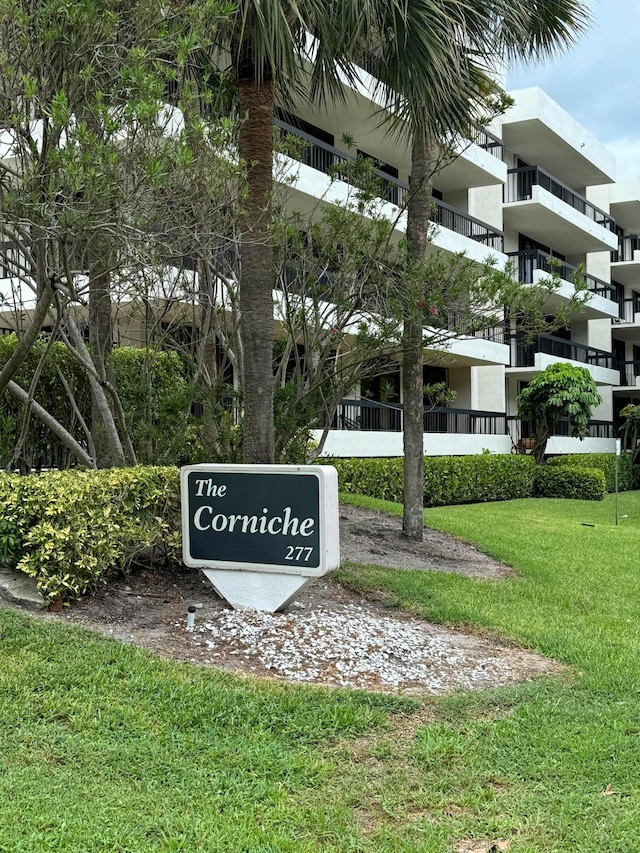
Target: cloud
<point>597,80</point>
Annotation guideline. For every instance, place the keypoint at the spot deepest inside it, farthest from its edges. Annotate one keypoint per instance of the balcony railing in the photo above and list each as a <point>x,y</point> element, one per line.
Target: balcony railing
<point>520,429</point>
<point>521,181</point>
<point>325,158</point>
<point>524,355</point>
<point>535,259</point>
<point>626,247</point>
<point>491,143</point>
<point>628,308</point>
<point>629,370</point>
<point>388,417</point>
<point>467,226</point>
<point>476,327</point>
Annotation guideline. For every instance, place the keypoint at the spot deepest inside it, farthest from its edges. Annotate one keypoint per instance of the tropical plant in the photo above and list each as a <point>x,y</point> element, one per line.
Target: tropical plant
<point>559,391</point>
<point>482,34</point>
<point>310,47</point>
<point>631,430</point>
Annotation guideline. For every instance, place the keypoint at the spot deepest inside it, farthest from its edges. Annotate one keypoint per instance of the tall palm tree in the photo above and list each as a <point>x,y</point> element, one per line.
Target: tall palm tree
<point>309,47</point>
<point>491,31</point>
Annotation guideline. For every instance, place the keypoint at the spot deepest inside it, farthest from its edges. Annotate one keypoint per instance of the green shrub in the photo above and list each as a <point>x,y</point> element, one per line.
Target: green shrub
<point>605,462</point>
<point>69,529</point>
<point>564,481</point>
<point>635,476</point>
<point>447,479</point>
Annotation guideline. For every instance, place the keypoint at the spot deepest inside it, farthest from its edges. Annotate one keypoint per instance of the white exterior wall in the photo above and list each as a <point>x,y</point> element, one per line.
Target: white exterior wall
<point>599,334</point>
<point>488,389</point>
<point>485,203</point>
<point>460,382</point>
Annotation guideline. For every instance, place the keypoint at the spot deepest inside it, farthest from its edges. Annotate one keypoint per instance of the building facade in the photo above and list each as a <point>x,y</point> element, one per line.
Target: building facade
<point>538,191</point>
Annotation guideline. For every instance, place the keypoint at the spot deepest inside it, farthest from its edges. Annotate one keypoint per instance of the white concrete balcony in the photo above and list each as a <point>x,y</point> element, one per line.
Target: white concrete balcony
<point>539,131</point>
<point>539,205</point>
<point>366,428</point>
<point>530,357</point>
<point>476,162</point>
<point>326,173</point>
<point>537,267</point>
<point>481,347</point>
<point>625,264</point>
<point>601,437</point>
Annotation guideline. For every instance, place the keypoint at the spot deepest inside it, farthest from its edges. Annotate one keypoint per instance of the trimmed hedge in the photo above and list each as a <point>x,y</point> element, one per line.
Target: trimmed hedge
<point>605,462</point>
<point>69,529</point>
<point>447,479</point>
<point>563,481</point>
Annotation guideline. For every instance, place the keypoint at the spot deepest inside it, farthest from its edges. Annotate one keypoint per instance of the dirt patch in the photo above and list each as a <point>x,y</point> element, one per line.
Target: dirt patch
<point>329,635</point>
<point>367,536</point>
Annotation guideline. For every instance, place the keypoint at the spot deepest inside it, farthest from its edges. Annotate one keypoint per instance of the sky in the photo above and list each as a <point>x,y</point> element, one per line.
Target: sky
<point>598,80</point>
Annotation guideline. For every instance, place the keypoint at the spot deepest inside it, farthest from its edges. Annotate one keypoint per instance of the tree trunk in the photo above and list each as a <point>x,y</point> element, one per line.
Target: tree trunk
<point>256,101</point>
<point>418,219</point>
<point>26,342</point>
<point>52,424</point>
<point>100,346</point>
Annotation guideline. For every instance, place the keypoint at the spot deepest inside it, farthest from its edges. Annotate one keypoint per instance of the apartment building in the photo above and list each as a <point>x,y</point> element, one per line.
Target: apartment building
<point>538,191</point>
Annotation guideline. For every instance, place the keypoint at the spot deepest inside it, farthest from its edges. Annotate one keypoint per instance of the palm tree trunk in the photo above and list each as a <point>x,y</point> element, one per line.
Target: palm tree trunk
<point>257,101</point>
<point>418,218</point>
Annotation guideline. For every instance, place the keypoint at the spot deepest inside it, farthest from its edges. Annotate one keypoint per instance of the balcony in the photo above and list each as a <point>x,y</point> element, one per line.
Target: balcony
<point>525,429</point>
<point>539,131</point>
<point>627,310</point>
<point>629,373</point>
<point>367,428</point>
<point>600,437</point>
<point>325,158</point>
<point>530,357</point>
<point>552,213</point>
<point>490,142</point>
<point>558,348</point>
<point>534,266</point>
<point>369,415</point>
<point>625,261</point>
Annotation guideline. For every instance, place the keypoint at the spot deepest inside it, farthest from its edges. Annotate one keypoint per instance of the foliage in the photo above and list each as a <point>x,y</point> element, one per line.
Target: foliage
<point>631,429</point>
<point>156,397</point>
<point>40,447</point>
<point>447,479</point>
<point>70,529</point>
<point>567,481</point>
<point>604,462</point>
<point>155,393</point>
<point>559,391</point>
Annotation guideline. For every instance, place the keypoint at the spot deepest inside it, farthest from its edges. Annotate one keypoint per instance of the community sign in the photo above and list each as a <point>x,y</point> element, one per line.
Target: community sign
<point>260,531</point>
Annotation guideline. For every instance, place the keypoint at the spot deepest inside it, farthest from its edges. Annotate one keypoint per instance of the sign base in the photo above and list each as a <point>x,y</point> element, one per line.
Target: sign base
<point>268,591</point>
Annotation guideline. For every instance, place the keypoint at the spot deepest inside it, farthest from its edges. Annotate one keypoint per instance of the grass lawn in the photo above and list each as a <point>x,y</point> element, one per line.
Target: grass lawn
<point>105,748</point>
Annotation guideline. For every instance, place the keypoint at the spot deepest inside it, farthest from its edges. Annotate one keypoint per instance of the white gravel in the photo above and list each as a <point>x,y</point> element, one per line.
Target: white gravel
<point>347,646</point>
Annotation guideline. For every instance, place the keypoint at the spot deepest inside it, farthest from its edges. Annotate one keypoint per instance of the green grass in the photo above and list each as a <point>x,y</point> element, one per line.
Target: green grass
<point>105,748</point>
<point>530,764</point>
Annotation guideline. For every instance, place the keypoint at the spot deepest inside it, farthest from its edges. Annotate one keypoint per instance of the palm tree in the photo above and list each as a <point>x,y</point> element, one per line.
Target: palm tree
<point>491,31</point>
<point>309,47</point>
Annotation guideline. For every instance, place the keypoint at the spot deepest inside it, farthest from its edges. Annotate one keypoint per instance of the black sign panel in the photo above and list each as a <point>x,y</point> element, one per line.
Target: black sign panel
<point>240,518</point>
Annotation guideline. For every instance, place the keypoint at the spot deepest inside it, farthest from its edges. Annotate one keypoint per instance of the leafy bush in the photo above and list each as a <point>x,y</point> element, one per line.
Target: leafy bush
<point>155,393</point>
<point>564,481</point>
<point>447,479</point>
<point>635,476</point>
<point>605,462</point>
<point>69,529</point>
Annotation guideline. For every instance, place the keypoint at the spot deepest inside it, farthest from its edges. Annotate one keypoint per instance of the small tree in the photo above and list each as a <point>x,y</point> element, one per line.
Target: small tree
<point>559,391</point>
<point>631,430</point>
